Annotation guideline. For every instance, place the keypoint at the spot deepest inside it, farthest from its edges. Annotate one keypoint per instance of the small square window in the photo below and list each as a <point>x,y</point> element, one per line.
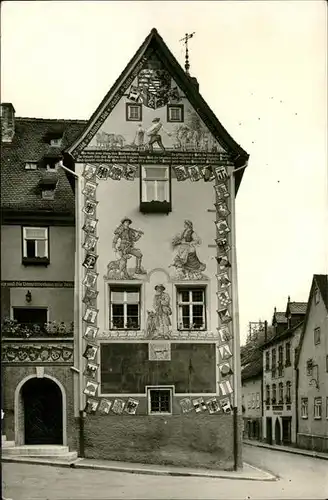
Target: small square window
<point>175,113</point>
<point>155,189</point>
<point>160,401</point>
<point>31,165</point>
<point>56,142</point>
<point>134,112</point>
<point>317,336</point>
<point>48,194</point>
<point>317,408</point>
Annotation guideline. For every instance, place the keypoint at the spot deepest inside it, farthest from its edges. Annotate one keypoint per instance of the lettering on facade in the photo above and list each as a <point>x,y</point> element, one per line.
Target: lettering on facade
<point>38,284</point>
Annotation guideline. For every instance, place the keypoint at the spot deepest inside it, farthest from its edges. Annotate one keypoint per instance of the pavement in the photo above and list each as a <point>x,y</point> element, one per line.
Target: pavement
<point>287,449</point>
<point>248,472</point>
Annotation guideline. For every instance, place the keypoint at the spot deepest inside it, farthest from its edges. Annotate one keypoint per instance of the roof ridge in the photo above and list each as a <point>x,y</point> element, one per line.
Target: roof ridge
<point>70,120</point>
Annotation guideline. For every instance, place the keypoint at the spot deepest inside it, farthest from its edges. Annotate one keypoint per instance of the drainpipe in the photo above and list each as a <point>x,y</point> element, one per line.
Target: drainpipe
<point>296,404</point>
<point>237,445</point>
<point>78,306</point>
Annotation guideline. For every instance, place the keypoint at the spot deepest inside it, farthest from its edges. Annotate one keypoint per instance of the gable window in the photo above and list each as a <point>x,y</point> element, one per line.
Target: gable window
<point>35,245</point>
<point>304,407</point>
<point>56,142</point>
<point>317,408</point>
<point>159,401</point>
<point>281,392</point>
<point>267,361</point>
<point>133,112</point>
<point>288,392</point>
<point>155,189</point>
<point>287,352</point>
<point>124,310</point>
<point>31,165</point>
<point>175,113</point>
<point>191,308</point>
<point>317,336</point>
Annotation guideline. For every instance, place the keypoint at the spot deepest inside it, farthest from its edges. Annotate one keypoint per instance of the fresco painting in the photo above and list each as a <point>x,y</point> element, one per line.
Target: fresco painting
<point>186,262</point>
<point>159,320</point>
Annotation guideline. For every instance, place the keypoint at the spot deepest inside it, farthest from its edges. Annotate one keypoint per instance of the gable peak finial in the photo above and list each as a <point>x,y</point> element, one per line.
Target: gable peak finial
<point>185,40</point>
<point>154,31</point>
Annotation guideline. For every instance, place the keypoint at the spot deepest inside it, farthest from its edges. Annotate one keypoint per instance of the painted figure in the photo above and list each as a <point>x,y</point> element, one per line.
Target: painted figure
<point>159,321</point>
<point>186,261</point>
<point>139,138</point>
<point>123,243</point>
<point>154,134</point>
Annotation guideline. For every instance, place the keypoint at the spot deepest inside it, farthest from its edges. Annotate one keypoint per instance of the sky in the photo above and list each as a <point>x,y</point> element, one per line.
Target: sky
<point>262,69</point>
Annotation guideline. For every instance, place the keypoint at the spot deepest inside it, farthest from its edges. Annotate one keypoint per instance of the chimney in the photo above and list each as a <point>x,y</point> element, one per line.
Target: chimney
<point>7,122</point>
<point>265,331</point>
<point>194,81</point>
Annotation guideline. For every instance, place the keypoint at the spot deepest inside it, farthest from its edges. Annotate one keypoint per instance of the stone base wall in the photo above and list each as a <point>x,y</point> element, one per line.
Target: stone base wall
<point>313,442</point>
<point>188,440</point>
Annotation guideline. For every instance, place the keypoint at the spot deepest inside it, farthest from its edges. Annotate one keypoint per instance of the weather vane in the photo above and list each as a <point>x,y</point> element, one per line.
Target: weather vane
<point>185,40</point>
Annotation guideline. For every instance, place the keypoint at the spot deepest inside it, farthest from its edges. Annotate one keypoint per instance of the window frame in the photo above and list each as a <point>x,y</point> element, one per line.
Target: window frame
<point>267,394</point>
<point>168,113</point>
<point>56,142</point>
<point>33,165</point>
<point>43,308</point>
<point>274,394</point>
<point>327,407</point>
<point>288,392</point>
<point>128,107</point>
<point>267,361</point>
<point>288,361</point>
<point>180,304</point>
<point>168,388</point>
<point>304,406</point>
<point>124,289</point>
<point>45,260</point>
<point>317,335</point>
<point>155,206</point>
<point>317,404</point>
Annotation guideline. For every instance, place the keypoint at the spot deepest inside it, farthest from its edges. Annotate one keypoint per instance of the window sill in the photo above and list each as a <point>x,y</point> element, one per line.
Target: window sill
<point>35,261</point>
<point>304,418</point>
<point>155,207</point>
<point>317,418</point>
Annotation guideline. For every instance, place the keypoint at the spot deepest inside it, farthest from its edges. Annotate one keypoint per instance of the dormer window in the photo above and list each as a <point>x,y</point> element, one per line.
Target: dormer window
<point>31,165</point>
<point>57,142</point>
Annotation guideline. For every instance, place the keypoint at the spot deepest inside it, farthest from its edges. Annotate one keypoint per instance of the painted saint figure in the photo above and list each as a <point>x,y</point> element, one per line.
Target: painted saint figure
<point>186,260</point>
<point>159,321</point>
<point>123,243</point>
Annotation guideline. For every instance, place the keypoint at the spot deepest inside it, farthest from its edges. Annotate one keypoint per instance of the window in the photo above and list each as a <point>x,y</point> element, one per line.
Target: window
<point>160,400</point>
<point>253,400</point>
<point>191,309</point>
<point>327,407</point>
<point>155,184</point>
<point>267,361</point>
<point>274,394</point>
<point>288,362</point>
<point>35,244</point>
<point>134,112</point>
<point>257,400</point>
<point>175,113</point>
<point>280,360</point>
<point>309,367</point>
<point>316,296</point>
<point>288,392</point>
<point>30,315</point>
<point>267,397</point>
<point>56,142</point>
<point>48,194</point>
<point>124,311</point>
<point>31,165</point>
<point>327,363</point>
<point>317,408</point>
<point>281,392</point>
<point>274,360</point>
<point>317,336</point>
<point>304,407</point>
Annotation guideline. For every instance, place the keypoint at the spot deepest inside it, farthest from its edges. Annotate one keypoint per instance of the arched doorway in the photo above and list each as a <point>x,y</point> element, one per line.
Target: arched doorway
<point>43,412</point>
<point>277,432</point>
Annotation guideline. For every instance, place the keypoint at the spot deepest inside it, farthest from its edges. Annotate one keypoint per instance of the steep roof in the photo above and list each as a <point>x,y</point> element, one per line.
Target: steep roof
<point>297,307</point>
<point>279,317</point>
<point>155,43</point>
<point>282,335</point>
<point>253,369</point>
<point>320,281</point>
<point>20,187</point>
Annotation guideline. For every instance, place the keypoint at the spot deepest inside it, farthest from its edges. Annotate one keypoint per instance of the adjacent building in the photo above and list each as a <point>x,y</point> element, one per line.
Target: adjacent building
<point>279,375</point>
<point>312,370</point>
<point>252,396</point>
<point>37,281</point>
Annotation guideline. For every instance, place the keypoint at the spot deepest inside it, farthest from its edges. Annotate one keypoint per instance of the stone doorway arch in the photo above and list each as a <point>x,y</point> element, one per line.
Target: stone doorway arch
<point>40,411</point>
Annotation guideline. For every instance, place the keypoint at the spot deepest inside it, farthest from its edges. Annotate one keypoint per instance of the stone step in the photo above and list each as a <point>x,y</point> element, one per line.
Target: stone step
<point>38,450</point>
<point>7,444</point>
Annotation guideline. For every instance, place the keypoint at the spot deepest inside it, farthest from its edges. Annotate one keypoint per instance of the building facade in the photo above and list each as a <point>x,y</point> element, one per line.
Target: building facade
<point>312,370</point>
<point>37,281</point>
<point>159,375</point>
<point>279,375</point>
<point>252,398</point>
